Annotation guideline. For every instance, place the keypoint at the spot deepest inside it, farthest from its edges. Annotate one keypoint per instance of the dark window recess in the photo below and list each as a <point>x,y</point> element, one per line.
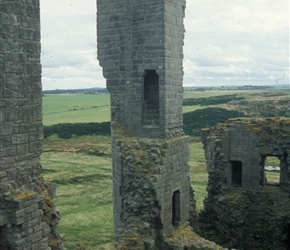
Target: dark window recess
<point>236,173</point>
<point>288,236</point>
<point>3,242</point>
<point>151,98</point>
<point>176,211</point>
<point>263,174</point>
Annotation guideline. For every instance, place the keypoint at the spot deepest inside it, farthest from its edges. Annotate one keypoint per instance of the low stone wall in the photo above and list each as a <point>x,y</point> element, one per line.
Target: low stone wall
<point>28,218</point>
<point>182,238</point>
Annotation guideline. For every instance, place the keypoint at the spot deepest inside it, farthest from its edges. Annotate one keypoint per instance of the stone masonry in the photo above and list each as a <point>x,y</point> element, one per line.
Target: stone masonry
<point>140,47</point>
<point>245,210</point>
<point>28,216</point>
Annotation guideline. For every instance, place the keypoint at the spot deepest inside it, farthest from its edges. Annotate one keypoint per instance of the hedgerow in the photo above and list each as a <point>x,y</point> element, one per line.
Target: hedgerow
<point>193,122</point>
<point>66,130</point>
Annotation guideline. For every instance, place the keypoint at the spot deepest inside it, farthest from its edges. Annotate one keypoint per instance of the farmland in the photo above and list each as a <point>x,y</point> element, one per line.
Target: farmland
<point>81,165</point>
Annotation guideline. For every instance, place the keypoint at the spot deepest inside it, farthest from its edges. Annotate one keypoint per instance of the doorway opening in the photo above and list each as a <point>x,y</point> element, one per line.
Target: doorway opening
<point>176,208</point>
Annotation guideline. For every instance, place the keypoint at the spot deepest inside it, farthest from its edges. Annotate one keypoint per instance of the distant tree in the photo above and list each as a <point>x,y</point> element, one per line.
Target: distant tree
<point>65,135</point>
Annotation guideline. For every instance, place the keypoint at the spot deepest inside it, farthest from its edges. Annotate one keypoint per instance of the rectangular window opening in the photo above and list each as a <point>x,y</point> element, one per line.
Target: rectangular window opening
<point>151,98</point>
<point>271,169</point>
<point>236,173</point>
<point>176,208</point>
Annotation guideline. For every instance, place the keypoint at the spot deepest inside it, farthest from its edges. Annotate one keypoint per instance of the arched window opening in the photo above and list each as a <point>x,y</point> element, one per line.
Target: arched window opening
<point>236,167</point>
<point>176,208</point>
<point>151,98</point>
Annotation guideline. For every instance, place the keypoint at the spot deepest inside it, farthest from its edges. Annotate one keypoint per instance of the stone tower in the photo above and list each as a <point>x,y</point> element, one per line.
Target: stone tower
<point>140,48</point>
<point>244,207</point>
<point>27,213</point>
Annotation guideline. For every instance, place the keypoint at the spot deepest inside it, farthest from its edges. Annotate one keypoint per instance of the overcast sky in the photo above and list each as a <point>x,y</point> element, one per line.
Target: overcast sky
<point>228,42</point>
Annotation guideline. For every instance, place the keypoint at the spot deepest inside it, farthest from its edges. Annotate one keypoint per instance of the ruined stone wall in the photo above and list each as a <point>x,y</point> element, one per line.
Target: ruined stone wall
<point>146,174</point>
<point>249,214</point>
<point>27,214</point>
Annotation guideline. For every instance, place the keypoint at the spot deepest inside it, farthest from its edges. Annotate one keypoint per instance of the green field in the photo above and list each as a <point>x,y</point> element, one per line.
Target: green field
<point>96,108</point>
<point>76,108</point>
<point>81,166</point>
<point>84,187</point>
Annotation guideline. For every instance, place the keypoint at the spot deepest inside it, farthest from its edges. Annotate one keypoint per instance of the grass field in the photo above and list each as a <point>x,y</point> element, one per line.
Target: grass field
<point>96,108</point>
<point>81,166</point>
<point>75,108</point>
<point>84,192</point>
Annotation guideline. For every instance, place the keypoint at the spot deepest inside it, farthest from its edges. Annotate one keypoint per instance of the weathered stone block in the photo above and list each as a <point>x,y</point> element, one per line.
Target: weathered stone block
<point>19,138</point>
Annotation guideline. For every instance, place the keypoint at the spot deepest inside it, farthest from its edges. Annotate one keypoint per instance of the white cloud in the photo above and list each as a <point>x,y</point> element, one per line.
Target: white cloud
<point>248,39</point>
<point>69,54</point>
<point>226,42</point>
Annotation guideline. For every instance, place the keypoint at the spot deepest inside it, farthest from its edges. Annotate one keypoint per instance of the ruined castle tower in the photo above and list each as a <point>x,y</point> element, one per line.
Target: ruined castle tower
<point>244,207</point>
<point>27,214</point>
<point>140,48</point>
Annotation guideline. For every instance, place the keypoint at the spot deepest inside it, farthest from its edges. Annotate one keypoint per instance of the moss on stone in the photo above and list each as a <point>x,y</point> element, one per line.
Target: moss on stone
<point>183,236</point>
<point>22,195</point>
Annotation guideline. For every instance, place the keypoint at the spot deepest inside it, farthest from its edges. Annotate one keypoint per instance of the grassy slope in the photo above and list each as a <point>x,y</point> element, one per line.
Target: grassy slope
<point>84,192</point>
<point>198,173</point>
<point>255,103</point>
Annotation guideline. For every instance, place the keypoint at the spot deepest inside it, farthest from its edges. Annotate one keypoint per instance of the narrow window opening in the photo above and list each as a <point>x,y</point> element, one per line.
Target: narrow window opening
<point>263,175</point>
<point>176,209</point>
<point>288,236</point>
<point>151,98</point>
<point>272,170</point>
<point>236,173</point>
